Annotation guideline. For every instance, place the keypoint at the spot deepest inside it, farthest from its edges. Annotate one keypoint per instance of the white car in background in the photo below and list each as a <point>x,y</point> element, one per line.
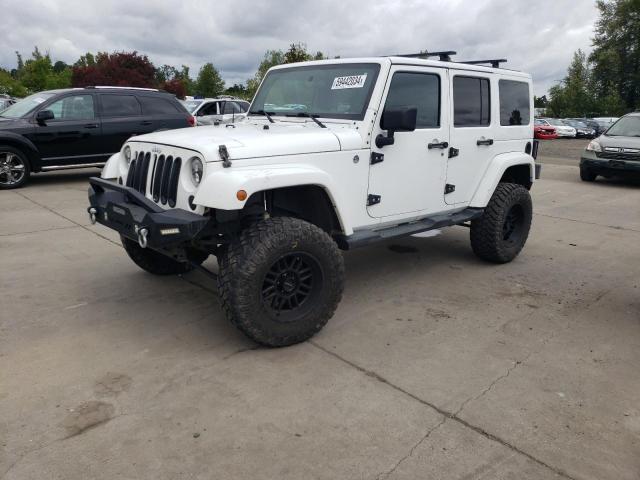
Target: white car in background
<point>213,111</point>
<point>563,130</point>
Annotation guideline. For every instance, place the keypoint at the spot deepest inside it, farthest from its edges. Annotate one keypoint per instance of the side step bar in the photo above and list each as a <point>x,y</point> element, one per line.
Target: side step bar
<point>362,238</point>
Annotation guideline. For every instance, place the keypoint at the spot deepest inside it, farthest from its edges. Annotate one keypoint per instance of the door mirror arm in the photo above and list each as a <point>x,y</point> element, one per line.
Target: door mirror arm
<point>384,140</point>
<point>402,119</point>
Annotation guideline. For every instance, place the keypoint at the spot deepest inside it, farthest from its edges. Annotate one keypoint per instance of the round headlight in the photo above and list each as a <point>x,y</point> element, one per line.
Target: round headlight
<point>127,154</point>
<point>196,170</point>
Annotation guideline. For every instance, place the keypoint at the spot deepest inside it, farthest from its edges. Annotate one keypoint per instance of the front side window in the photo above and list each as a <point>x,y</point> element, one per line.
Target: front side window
<point>471,102</point>
<point>340,90</point>
<point>77,107</point>
<point>419,90</point>
<point>114,105</point>
<point>514,102</point>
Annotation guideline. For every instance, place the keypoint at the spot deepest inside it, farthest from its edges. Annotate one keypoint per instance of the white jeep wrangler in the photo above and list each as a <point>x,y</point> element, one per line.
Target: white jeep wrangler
<point>335,154</point>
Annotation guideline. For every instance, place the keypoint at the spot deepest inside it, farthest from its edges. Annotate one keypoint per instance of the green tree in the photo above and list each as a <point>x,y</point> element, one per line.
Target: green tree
<point>573,97</point>
<point>11,86</point>
<point>616,52</point>
<point>271,59</point>
<point>38,73</point>
<point>540,102</point>
<point>209,83</point>
<point>297,53</point>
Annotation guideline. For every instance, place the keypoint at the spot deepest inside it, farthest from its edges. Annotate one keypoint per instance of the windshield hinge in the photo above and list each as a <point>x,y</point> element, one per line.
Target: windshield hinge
<point>373,200</point>
<point>376,158</point>
<point>224,155</point>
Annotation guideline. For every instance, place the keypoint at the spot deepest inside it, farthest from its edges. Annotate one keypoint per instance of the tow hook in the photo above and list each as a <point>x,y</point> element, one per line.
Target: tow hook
<point>142,237</point>
<point>92,215</point>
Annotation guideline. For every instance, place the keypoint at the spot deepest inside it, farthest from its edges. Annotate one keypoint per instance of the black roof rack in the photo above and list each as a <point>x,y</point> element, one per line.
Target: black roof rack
<point>444,56</point>
<point>494,63</point>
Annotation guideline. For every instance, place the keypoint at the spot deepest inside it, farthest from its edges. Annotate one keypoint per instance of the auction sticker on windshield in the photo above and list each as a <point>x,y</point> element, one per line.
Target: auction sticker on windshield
<point>350,81</point>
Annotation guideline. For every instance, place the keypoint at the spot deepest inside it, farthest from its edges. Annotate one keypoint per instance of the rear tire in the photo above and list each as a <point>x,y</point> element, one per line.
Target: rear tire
<point>157,263</point>
<point>281,281</point>
<point>587,175</point>
<point>502,230</point>
<point>14,168</point>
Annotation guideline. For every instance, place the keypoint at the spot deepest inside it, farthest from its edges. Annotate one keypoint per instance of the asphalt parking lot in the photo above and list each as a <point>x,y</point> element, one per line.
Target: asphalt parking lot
<point>436,365</point>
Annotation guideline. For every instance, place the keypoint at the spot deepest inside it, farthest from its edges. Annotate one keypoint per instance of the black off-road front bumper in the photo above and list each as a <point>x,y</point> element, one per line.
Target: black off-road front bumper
<point>134,216</point>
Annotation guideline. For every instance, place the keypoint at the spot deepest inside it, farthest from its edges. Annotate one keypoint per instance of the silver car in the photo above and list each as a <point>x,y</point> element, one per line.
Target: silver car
<point>615,152</point>
<point>212,111</point>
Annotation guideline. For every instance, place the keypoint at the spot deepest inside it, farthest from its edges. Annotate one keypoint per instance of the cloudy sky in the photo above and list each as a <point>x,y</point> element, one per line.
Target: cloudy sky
<point>537,37</point>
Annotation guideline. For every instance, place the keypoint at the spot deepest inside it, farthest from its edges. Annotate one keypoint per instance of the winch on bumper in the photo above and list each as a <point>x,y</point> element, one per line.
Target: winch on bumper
<point>134,216</point>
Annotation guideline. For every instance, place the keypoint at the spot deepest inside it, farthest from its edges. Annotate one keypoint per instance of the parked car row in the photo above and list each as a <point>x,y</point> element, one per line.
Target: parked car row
<point>79,127</point>
<point>550,128</point>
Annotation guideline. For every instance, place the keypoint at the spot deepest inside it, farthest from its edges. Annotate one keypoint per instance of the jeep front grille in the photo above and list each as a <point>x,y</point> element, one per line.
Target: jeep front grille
<point>165,175</point>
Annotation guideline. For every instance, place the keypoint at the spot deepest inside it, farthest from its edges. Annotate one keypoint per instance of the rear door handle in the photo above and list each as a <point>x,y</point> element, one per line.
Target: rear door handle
<point>441,145</point>
<point>485,141</point>
<point>91,125</point>
<point>146,122</point>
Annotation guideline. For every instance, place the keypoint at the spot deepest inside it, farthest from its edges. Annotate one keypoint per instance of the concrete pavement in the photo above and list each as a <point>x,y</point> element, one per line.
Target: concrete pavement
<point>436,365</point>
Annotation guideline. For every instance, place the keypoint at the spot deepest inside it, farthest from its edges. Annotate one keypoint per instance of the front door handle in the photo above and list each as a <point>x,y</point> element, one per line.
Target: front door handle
<point>485,141</point>
<point>436,144</point>
<point>146,122</point>
<point>91,125</point>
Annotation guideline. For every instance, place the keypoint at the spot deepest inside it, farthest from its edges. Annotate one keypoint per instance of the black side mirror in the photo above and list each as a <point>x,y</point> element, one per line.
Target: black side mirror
<point>396,120</point>
<point>43,116</point>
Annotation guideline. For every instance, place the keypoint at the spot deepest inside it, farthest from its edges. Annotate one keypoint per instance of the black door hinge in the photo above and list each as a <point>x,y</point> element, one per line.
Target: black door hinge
<point>376,158</point>
<point>373,200</point>
<point>448,188</point>
<point>453,152</point>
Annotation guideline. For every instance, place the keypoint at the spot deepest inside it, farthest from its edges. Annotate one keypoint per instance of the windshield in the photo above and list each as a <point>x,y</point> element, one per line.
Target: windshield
<point>191,105</point>
<point>24,106</point>
<point>625,127</point>
<point>332,91</point>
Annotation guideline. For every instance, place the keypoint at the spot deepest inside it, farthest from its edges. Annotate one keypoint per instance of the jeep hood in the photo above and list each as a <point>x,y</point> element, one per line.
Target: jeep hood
<point>253,140</point>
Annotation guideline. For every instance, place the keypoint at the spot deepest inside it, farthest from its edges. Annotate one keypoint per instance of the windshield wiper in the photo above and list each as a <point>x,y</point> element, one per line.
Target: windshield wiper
<point>307,115</point>
<point>266,114</point>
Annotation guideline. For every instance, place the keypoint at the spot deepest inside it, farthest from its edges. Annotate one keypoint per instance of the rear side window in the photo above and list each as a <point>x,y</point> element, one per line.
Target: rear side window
<point>471,102</point>
<point>119,106</point>
<point>420,90</point>
<point>514,102</point>
<point>209,109</point>
<point>157,106</point>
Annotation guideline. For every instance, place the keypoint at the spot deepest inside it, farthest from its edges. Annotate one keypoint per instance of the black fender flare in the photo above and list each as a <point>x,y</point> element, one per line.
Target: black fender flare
<point>25,145</point>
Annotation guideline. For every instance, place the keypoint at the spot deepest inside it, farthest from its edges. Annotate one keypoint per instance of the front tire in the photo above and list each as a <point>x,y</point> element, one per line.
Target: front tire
<point>502,230</point>
<point>281,281</point>
<point>587,175</point>
<point>14,168</point>
<point>157,263</point>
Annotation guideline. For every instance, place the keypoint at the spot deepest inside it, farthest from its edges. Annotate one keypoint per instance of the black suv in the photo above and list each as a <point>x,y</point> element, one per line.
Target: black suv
<point>79,127</point>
